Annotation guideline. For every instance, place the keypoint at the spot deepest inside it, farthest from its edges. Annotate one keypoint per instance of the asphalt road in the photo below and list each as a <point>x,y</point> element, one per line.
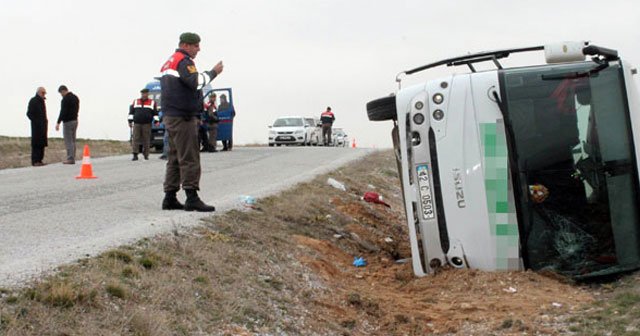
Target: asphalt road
<point>48,218</point>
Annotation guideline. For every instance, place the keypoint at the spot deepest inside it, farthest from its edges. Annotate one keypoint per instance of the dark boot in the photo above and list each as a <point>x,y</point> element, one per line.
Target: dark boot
<point>194,203</point>
<point>170,202</point>
<point>135,157</point>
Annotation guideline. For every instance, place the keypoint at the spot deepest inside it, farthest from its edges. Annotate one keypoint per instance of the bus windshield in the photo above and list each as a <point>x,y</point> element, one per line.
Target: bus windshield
<point>576,183</point>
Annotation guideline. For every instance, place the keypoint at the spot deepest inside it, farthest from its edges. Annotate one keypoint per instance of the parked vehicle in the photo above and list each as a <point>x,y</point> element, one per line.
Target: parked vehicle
<point>225,115</point>
<point>315,134</point>
<point>289,131</point>
<point>157,128</point>
<point>340,138</point>
<point>522,167</point>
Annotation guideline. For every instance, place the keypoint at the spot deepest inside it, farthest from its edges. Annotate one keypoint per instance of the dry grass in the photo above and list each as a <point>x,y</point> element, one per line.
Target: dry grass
<point>16,151</point>
<point>239,272</point>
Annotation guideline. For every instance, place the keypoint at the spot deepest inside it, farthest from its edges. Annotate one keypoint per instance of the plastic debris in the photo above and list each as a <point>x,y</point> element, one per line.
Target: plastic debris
<point>388,240</point>
<point>510,290</point>
<point>556,305</point>
<point>359,262</point>
<point>403,261</point>
<point>336,184</point>
<point>373,197</point>
<point>248,201</point>
<point>337,236</point>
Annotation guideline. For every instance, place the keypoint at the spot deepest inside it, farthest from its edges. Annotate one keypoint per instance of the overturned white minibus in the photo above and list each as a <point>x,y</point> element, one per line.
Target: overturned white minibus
<point>532,167</point>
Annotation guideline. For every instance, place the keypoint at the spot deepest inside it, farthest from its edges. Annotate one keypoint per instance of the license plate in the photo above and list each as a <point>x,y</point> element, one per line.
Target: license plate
<point>286,138</point>
<point>426,196</point>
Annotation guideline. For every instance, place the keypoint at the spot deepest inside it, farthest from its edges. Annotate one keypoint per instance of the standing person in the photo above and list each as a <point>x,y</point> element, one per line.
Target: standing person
<point>181,103</point>
<point>212,112</point>
<point>141,113</point>
<point>227,145</point>
<point>327,118</point>
<point>37,113</point>
<point>69,107</point>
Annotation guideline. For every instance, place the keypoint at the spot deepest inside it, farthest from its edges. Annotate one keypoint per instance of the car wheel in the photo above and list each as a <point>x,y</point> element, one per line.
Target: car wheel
<point>382,109</point>
<point>270,145</point>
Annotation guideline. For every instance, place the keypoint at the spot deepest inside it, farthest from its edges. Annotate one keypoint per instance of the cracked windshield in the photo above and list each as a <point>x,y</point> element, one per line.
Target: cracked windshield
<point>578,200</point>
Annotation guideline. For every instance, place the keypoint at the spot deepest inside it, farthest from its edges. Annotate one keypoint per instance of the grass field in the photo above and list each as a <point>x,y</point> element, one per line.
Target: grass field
<point>16,151</point>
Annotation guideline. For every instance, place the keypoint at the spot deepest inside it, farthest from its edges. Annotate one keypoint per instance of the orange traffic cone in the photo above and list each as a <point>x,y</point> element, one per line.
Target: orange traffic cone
<point>86,172</point>
<point>353,144</point>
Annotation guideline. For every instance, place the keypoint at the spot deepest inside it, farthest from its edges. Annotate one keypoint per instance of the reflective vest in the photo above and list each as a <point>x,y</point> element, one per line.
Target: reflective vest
<point>142,111</point>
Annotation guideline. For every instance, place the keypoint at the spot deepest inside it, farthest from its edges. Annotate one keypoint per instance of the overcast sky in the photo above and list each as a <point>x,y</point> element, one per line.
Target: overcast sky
<point>282,57</point>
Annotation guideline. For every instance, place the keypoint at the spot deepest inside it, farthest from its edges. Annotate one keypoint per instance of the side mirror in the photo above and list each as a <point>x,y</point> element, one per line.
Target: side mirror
<point>269,126</point>
<point>306,126</point>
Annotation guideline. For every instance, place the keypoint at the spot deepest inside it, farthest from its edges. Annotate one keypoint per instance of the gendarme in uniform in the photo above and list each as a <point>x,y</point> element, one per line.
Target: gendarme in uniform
<point>181,85</point>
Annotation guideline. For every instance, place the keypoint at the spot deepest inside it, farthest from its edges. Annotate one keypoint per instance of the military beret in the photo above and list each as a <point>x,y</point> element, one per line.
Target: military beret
<point>145,90</point>
<point>189,38</point>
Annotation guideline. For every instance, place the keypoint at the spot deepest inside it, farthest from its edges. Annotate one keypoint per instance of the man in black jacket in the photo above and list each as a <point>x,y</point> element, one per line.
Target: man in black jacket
<point>141,113</point>
<point>181,104</point>
<point>37,113</point>
<point>69,108</point>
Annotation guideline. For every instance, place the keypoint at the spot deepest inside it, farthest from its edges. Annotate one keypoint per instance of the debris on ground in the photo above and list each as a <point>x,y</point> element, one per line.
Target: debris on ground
<point>336,184</point>
<point>248,201</point>
<point>374,197</point>
<point>359,262</point>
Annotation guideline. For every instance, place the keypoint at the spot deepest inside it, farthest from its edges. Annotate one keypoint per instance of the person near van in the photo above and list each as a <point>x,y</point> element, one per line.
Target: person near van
<point>69,108</point>
<point>141,113</point>
<point>37,113</point>
<point>327,118</point>
<point>210,108</point>
<point>181,96</point>
<point>227,145</point>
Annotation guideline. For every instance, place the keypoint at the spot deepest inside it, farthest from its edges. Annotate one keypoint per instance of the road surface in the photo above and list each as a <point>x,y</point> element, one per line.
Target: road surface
<point>48,218</point>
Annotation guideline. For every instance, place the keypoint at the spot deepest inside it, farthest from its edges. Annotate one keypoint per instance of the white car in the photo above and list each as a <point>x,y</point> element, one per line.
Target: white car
<point>289,131</point>
<point>315,131</point>
<point>340,138</point>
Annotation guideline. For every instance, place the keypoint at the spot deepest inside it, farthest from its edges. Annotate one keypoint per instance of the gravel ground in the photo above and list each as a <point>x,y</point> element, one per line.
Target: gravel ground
<point>48,218</point>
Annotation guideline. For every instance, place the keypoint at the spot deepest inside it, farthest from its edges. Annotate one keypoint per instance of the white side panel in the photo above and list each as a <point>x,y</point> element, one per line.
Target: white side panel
<point>403,101</point>
<point>461,175</point>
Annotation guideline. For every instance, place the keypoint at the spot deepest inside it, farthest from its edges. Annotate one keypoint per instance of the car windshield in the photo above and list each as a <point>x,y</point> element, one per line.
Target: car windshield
<point>288,122</point>
<point>577,180</point>
<point>155,95</point>
<point>338,133</point>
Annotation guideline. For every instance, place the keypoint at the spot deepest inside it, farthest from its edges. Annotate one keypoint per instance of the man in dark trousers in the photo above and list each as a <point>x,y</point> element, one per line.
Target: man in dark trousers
<point>69,107</point>
<point>212,113</point>
<point>327,118</point>
<point>141,113</point>
<point>37,113</point>
<point>181,96</point>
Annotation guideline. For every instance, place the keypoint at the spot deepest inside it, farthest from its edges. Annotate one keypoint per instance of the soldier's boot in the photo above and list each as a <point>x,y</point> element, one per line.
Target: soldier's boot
<point>135,157</point>
<point>170,202</point>
<point>194,203</point>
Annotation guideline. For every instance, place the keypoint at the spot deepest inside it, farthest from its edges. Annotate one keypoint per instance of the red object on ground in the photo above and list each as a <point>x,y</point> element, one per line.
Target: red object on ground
<point>373,197</point>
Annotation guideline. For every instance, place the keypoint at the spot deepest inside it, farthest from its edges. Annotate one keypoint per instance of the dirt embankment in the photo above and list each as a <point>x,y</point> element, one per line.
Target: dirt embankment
<point>386,298</point>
